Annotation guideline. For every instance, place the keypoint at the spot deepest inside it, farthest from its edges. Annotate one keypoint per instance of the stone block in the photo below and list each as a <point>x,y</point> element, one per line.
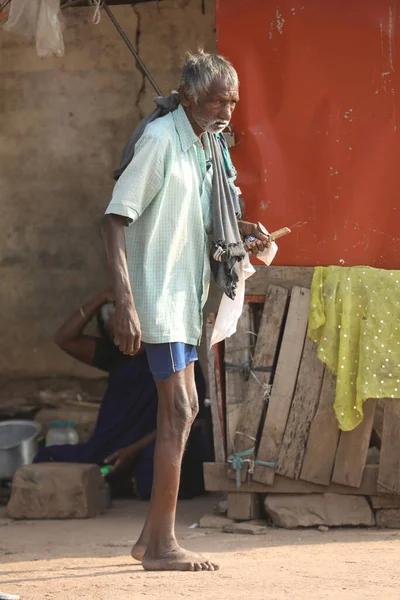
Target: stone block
<point>388,518</point>
<point>310,510</point>
<point>246,528</point>
<point>57,491</point>
<point>214,522</point>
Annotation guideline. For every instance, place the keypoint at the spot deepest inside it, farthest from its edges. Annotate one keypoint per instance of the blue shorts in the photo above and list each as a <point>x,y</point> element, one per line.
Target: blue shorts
<point>166,359</point>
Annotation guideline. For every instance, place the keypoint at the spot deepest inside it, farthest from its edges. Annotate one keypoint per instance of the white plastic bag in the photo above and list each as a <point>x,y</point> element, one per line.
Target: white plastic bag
<point>230,310</point>
<point>39,20</point>
<point>49,38</point>
<point>23,18</point>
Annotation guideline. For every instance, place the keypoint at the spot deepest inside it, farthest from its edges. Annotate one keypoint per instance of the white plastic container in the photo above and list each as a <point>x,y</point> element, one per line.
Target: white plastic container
<point>61,433</point>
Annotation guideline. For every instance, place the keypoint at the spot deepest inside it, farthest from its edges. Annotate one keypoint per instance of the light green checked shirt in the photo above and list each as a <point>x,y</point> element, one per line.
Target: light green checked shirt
<point>165,193</point>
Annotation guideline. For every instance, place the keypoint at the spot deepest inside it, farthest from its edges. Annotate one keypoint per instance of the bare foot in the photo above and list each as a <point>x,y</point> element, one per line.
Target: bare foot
<point>178,560</point>
<point>138,551</point>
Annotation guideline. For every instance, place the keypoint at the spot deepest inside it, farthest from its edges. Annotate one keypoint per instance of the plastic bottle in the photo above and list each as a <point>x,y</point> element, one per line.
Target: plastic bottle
<point>61,433</point>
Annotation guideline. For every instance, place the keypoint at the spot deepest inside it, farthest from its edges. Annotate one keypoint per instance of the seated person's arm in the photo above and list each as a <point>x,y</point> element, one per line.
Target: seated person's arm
<point>124,457</point>
<point>70,336</point>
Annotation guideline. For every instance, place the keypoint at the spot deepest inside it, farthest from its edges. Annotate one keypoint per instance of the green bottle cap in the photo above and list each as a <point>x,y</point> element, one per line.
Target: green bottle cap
<point>106,470</point>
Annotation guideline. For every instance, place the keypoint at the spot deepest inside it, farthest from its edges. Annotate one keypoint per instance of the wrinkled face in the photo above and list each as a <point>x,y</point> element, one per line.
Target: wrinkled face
<point>213,110</point>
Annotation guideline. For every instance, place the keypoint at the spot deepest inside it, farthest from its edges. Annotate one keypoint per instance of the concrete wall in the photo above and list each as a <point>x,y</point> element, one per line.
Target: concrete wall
<point>63,123</point>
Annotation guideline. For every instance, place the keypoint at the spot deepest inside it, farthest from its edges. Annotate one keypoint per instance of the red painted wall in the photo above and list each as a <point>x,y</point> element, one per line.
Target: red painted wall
<point>318,140</point>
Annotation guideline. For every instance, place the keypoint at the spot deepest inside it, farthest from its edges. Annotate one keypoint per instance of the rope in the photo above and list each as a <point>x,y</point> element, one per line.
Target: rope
<point>250,437</point>
<point>237,461</point>
<point>266,387</point>
<point>265,463</point>
<point>97,4</point>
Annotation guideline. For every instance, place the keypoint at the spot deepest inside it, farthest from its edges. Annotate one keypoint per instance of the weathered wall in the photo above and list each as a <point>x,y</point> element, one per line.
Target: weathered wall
<point>63,123</point>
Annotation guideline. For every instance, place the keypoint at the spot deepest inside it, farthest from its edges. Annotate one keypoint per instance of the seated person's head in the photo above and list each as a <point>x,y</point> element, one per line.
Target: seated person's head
<point>105,321</point>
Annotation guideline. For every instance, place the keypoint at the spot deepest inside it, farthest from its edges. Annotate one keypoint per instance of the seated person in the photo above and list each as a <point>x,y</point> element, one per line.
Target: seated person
<point>126,426</point>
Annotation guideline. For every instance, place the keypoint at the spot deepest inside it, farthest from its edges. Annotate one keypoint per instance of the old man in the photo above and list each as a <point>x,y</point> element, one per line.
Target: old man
<point>172,222</point>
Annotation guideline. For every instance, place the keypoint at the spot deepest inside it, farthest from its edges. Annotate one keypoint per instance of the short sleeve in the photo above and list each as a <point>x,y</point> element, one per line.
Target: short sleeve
<point>141,181</point>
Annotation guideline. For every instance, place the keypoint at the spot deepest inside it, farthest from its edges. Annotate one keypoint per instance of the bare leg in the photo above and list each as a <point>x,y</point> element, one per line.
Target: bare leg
<point>140,546</point>
<point>177,407</point>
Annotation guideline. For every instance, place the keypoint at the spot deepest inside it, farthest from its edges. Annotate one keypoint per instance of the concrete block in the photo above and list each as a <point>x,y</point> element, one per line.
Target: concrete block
<point>57,491</point>
<point>308,510</point>
<point>214,522</point>
<point>388,518</point>
<point>247,528</point>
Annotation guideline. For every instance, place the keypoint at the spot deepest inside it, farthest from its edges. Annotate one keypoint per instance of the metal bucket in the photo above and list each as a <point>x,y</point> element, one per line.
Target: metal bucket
<point>18,445</point>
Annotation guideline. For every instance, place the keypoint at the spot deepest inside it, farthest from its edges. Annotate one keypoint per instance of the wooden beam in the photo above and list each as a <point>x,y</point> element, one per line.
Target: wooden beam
<point>385,500</point>
<point>351,455</point>
<point>305,401</point>
<point>238,352</point>
<point>323,438</point>
<point>389,467</point>
<point>262,368</point>
<point>217,480</point>
<point>286,277</point>
<point>217,425</point>
<point>284,385</point>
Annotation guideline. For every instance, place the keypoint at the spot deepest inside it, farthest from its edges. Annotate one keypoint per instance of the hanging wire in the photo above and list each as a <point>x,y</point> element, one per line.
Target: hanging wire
<point>122,33</point>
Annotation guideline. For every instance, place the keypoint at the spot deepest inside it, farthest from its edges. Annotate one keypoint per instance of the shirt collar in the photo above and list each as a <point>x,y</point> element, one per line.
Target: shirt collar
<point>185,131</point>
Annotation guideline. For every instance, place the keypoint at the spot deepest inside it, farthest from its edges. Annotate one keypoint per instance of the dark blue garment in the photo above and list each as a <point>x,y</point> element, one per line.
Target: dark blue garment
<point>127,413</point>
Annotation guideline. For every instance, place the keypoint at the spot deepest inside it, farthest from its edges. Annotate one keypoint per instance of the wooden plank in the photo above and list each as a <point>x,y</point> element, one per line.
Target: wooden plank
<point>220,387</point>
<point>323,438</point>
<point>378,423</point>
<point>284,385</point>
<point>264,358</point>
<point>305,401</point>
<point>217,480</point>
<point>243,506</point>
<point>238,352</point>
<point>385,500</point>
<point>352,451</point>
<point>286,277</point>
<point>389,467</point>
<point>219,448</point>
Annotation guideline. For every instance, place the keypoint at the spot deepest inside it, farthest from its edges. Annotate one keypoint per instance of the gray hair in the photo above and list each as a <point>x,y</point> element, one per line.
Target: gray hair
<point>202,68</point>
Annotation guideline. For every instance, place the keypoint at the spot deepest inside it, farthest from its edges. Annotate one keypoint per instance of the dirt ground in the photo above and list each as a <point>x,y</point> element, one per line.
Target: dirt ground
<point>90,559</point>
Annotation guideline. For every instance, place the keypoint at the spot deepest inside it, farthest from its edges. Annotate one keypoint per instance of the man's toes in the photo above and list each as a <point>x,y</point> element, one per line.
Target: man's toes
<point>192,567</point>
<point>215,567</point>
<point>197,567</point>
<point>210,566</point>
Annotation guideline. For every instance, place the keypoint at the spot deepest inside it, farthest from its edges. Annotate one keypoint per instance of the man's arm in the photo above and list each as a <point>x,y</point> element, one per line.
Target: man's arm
<point>124,457</point>
<point>127,334</point>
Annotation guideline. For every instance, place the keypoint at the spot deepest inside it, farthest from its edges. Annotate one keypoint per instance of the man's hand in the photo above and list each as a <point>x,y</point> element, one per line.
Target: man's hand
<point>123,458</point>
<point>127,333</point>
<point>261,242</point>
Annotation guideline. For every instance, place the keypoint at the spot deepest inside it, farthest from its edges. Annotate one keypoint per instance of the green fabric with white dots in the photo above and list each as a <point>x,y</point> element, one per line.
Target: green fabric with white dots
<point>355,319</point>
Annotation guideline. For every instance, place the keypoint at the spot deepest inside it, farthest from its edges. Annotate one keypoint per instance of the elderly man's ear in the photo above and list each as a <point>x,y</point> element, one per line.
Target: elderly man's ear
<point>184,94</point>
